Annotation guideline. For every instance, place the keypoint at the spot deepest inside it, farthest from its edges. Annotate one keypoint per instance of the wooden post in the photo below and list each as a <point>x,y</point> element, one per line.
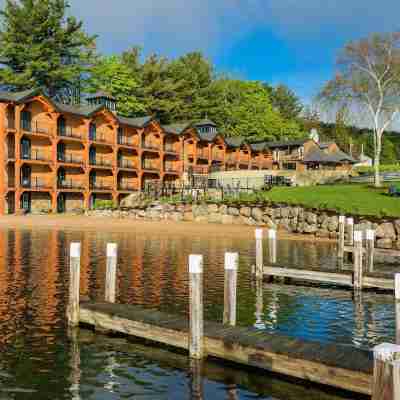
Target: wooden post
<point>272,245</point>
<point>342,221</point>
<point>231,267</point>
<point>196,339</point>
<point>386,372</point>
<point>369,249</point>
<point>74,277</point>
<point>111,272</point>
<point>259,253</point>
<point>350,230</point>
<point>358,260</point>
<point>75,363</point>
<point>196,379</point>
<point>397,305</point>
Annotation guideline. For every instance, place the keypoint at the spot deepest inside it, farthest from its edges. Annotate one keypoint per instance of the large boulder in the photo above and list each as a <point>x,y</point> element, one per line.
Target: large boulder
<point>386,231</point>
<point>233,211</point>
<point>131,201</point>
<point>397,226</point>
<point>245,211</point>
<point>213,208</point>
<point>384,243</point>
<point>311,218</point>
<point>310,228</point>
<point>257,214</point>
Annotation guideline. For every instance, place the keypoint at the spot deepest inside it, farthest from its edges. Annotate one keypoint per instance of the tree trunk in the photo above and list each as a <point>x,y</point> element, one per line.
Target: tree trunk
<point>377,159</point>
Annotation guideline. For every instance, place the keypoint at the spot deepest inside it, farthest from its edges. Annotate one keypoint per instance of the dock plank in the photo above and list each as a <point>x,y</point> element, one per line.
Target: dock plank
<point>339,366</point>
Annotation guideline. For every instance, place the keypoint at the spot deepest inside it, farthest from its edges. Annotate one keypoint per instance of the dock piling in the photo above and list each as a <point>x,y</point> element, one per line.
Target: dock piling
<point>230,288</point>
<point>272,244</point>
<point>74,280</point>
<point>386,381</point>
<point>350,230</point>
<point>397,305</point>
<point>358,260</point>
<point>342,221</point>
<point>259,233</point>
<point>369,249</point>
<point>196,337</point>
<point>111,273</point>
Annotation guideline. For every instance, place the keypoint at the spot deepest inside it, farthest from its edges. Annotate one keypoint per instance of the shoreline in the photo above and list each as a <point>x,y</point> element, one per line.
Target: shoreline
<point>170,228</point>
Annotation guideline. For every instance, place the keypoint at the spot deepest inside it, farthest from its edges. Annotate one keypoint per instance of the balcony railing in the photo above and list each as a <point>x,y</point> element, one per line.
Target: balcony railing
<point>171,168</point>
<point>100,186</point>
<point>127,141</point>
<point>36,127</point>
<point>151,145</point>
<point>35,183</point>
<point>69,133</point>
<point>36,155</point>
<point>203,153</point>
<point>70,184</point>
<point>231,159</point>
<point>101,162</point>
<point>170,148</point>
<point>150,165</point>
<point>102,137</point>
<point>128,164</point>
<point>69,159</point>
<point>130,187</point>
<point>217,156</point>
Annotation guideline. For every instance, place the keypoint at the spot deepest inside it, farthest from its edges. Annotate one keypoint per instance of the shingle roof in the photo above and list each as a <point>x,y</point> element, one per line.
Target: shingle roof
<point>205,122</point>
<point>18,96</point>
<point>84,111</point>
<point>100,94</point>
<point>138,122</point>
<point>176,129</point>
<point>319,156</point>
<point>260,146</point>
<point>298,142</point>
<point>235,141</point>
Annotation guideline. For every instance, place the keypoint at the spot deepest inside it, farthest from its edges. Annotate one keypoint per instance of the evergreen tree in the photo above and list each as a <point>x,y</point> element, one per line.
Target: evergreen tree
<point>285,101</point>
<point>41,46</point>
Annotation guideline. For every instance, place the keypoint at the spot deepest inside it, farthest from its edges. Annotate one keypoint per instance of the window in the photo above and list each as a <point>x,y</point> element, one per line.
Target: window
<point>26,121</point>
<point>92,131</point>
<point>61,126</point>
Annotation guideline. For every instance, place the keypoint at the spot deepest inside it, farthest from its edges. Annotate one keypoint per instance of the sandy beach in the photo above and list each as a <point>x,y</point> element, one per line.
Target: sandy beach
<point>169,228</point>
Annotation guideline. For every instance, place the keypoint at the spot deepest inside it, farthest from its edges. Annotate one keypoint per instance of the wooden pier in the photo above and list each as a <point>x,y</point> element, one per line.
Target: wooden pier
<point>339,366</point>
<point>371,372</point>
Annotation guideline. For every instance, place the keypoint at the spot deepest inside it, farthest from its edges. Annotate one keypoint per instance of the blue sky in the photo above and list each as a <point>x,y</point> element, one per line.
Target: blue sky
<point>289,41</point>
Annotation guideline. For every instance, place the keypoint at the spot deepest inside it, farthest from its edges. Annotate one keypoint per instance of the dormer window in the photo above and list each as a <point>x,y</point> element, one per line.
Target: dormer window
<point>104,99</point>
<point>206,126</point>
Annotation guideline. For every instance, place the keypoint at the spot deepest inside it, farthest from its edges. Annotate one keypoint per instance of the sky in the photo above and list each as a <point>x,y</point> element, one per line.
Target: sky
<point>294,42</point>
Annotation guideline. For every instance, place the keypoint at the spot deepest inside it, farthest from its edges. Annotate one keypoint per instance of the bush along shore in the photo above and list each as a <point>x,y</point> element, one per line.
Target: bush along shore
<point>319,223</point>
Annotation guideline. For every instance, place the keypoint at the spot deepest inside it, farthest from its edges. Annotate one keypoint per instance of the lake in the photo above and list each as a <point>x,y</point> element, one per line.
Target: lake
<point>38,359</point>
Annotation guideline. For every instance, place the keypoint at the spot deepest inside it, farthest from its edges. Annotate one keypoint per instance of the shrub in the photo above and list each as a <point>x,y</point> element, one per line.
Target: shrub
<point>382,168</point>
<point>104,205</point>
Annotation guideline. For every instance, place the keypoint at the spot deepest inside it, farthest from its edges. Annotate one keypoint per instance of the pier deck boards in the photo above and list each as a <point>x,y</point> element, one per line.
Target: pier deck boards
<point>335,365</point>
<point>344,278</point>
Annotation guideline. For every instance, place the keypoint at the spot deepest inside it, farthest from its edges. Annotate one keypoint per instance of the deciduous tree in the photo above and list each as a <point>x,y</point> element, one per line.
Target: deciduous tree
<point>369,77</point>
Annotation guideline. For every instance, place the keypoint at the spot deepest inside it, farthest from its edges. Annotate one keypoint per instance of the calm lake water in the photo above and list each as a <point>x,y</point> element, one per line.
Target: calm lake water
<point>39,360</point>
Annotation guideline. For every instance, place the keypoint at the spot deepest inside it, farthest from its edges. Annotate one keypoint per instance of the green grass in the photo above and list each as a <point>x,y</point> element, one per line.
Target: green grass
<point>351,199</point>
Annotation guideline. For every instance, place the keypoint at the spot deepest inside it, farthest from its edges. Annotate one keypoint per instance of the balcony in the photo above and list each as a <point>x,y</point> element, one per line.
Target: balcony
<point>127,141</point>
<point>35,184</point>
<point>231,159</point>
<point>100,185</point>
<point>203,153</point>
<point>150,165</point>
<point>127,187</point>
<point>101,162</point>
<point>36,155</point>
<point>171,168</point>
<point>171,148</point>
<point>147,145</point>
<point>10,154</point>
<point>70,159</point>
<point>70,184</point>
<point>218,156</point>
<point>69,133</point>
<point>36,127</point>
<point>102,137</point>
<point>127,164</point>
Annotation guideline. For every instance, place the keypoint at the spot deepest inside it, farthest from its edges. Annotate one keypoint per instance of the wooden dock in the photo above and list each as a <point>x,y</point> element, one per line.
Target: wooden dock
<point>335,365</point>
<point>345,278</point>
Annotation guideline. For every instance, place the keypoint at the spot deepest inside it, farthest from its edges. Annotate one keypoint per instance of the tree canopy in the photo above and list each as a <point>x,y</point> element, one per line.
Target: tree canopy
<point>41,46</point>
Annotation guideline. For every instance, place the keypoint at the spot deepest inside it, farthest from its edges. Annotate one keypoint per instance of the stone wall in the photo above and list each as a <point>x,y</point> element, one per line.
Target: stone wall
<point>300,178</point>
<point>292,219</point>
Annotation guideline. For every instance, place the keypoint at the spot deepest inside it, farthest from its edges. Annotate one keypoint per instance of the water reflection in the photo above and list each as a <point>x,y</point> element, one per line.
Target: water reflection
<point>152,272</point>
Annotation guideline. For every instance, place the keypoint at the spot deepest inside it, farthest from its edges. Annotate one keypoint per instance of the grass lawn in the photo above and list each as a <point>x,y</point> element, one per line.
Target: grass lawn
<point>358,199</point>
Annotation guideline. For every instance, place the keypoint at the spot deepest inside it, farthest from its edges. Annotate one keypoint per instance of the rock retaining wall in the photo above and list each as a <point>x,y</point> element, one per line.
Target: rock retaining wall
<point>292,219</point>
